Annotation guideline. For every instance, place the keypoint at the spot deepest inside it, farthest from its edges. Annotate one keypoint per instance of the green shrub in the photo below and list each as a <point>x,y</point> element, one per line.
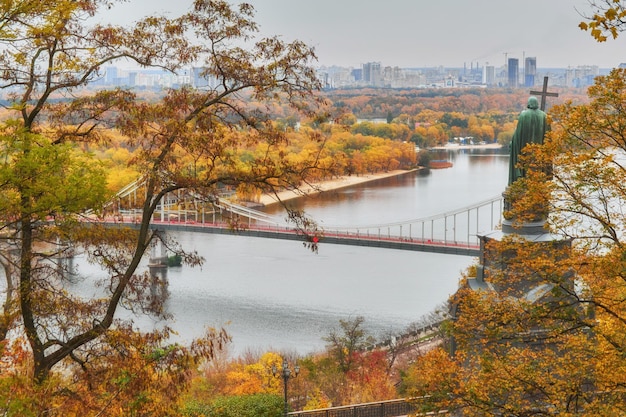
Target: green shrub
<point>257,405</point>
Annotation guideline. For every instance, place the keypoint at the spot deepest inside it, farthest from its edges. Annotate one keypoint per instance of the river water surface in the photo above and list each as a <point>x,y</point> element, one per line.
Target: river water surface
<point>275,294</point>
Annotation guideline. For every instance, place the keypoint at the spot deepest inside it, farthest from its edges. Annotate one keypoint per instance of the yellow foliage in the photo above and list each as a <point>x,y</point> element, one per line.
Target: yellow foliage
<point>244,379</point>
<point>548,335</point>
<point>242,382</point>
<point>316,400</point>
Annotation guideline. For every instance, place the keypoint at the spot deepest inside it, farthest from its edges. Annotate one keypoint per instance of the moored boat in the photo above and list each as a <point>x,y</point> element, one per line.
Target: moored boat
<point>439,163</point>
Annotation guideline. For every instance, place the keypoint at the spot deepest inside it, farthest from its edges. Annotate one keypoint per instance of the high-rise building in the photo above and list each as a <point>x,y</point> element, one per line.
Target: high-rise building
<point>489,75</point>
<point>199,78</point>
<point>513,72</point>
<point>110,75</point>
<point>372,74</point>
<point>581,76</point>
<point>530,71</point>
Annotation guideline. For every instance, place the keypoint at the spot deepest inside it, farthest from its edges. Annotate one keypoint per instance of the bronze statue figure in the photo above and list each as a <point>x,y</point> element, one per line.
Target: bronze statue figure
<point>531,128</point>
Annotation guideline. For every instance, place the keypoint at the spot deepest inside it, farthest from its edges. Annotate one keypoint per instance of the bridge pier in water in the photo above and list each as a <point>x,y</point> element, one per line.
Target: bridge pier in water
<point>157,267</point>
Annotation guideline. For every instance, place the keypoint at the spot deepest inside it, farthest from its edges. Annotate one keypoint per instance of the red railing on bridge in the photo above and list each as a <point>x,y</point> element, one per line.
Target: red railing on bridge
<point>285,232</point>
<point>347,237</point>
<point>453,232</point>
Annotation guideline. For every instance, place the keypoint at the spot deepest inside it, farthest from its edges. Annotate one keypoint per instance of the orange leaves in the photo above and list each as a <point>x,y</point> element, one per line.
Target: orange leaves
<point>241,382</point>
<point>130,374</point>
<point>369,378</point>
<point>553,331</point>
<point>243,379</point>
<point>522,343</point>
<point>523,379</point>
<point>607,19</point>
<point>14,356</point>
<point>588,146</point>
<point>507,360</point>
<point>433,380</point>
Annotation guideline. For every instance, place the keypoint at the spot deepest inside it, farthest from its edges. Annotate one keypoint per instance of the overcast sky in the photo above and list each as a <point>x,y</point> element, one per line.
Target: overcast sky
<point>425,33</point>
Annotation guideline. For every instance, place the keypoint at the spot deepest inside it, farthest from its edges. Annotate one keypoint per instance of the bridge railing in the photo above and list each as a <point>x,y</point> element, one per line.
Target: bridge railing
<point>431,232</point>
<point>459,228</point>
<point>421,334</point>
<point>456,228</point>
<point>391,408</point>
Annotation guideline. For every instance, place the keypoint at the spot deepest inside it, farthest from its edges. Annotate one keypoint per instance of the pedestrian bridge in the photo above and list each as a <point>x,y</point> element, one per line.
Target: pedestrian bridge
<point>455,232</point>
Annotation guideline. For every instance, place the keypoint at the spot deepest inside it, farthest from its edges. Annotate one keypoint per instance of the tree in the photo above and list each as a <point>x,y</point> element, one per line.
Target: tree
<point>344,345</point>
<point>369,380</point>
<point>254,378</point>
<point>607,19</point>
<point>563,355</point>
<point>588,187</point>
<point>49,179</point>
<point>521,345</point>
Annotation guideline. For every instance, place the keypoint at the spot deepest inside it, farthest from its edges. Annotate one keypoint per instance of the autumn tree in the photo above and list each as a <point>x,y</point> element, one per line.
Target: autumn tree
<point>607,19</point>
<point>190,139</point>
<point>349,371</point>
<point>588,198</point>
<point>557,350</point>
<point>343,344</point>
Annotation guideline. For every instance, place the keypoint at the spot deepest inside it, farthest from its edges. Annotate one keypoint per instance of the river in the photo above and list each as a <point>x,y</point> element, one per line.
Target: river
<point>275,294</point>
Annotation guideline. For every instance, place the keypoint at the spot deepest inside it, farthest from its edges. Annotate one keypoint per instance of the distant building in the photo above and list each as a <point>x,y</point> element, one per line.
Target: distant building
<point>530,71</point>
<point>324,79</point>
<point>489,75</point>
<point>201,80</point>
<point>110,75</point>
<point>372,74</point>
<point>513,72</point>
<point>581,76</point>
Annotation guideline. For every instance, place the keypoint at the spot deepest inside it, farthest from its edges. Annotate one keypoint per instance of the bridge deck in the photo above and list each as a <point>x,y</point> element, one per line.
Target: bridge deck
<point>454,233</point>
<point>276,232</point>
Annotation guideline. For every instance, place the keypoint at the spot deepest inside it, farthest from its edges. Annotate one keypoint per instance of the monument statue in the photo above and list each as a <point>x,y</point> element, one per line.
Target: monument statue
<point>531,128</point>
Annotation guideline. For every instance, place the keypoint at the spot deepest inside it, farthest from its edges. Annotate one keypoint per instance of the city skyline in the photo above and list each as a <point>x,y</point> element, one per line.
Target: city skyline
<point>374,74</point>
<point>407,33</point>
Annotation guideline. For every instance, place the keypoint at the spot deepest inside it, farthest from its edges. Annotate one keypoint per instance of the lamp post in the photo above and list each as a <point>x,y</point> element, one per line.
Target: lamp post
<point>286,374</point>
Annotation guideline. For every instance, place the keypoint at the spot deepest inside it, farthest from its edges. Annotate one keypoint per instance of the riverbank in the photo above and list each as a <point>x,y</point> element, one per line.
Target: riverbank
<point>335,184</point>
<point>457,146</point>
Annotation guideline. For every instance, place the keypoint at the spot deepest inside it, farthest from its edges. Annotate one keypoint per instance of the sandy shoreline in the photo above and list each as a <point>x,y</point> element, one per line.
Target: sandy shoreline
<point>452,147</point>
<point>336,184</point>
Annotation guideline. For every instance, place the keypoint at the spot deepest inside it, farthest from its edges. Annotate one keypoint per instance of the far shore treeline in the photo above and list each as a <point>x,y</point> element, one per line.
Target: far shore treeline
<point>370,130</point>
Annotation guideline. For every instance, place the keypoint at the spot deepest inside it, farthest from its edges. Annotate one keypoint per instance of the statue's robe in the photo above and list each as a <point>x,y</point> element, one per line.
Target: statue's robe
<point>532,126</point>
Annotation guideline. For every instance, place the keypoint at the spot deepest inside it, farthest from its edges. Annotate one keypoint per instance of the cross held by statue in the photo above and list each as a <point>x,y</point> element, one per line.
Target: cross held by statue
<point>544,93</point>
